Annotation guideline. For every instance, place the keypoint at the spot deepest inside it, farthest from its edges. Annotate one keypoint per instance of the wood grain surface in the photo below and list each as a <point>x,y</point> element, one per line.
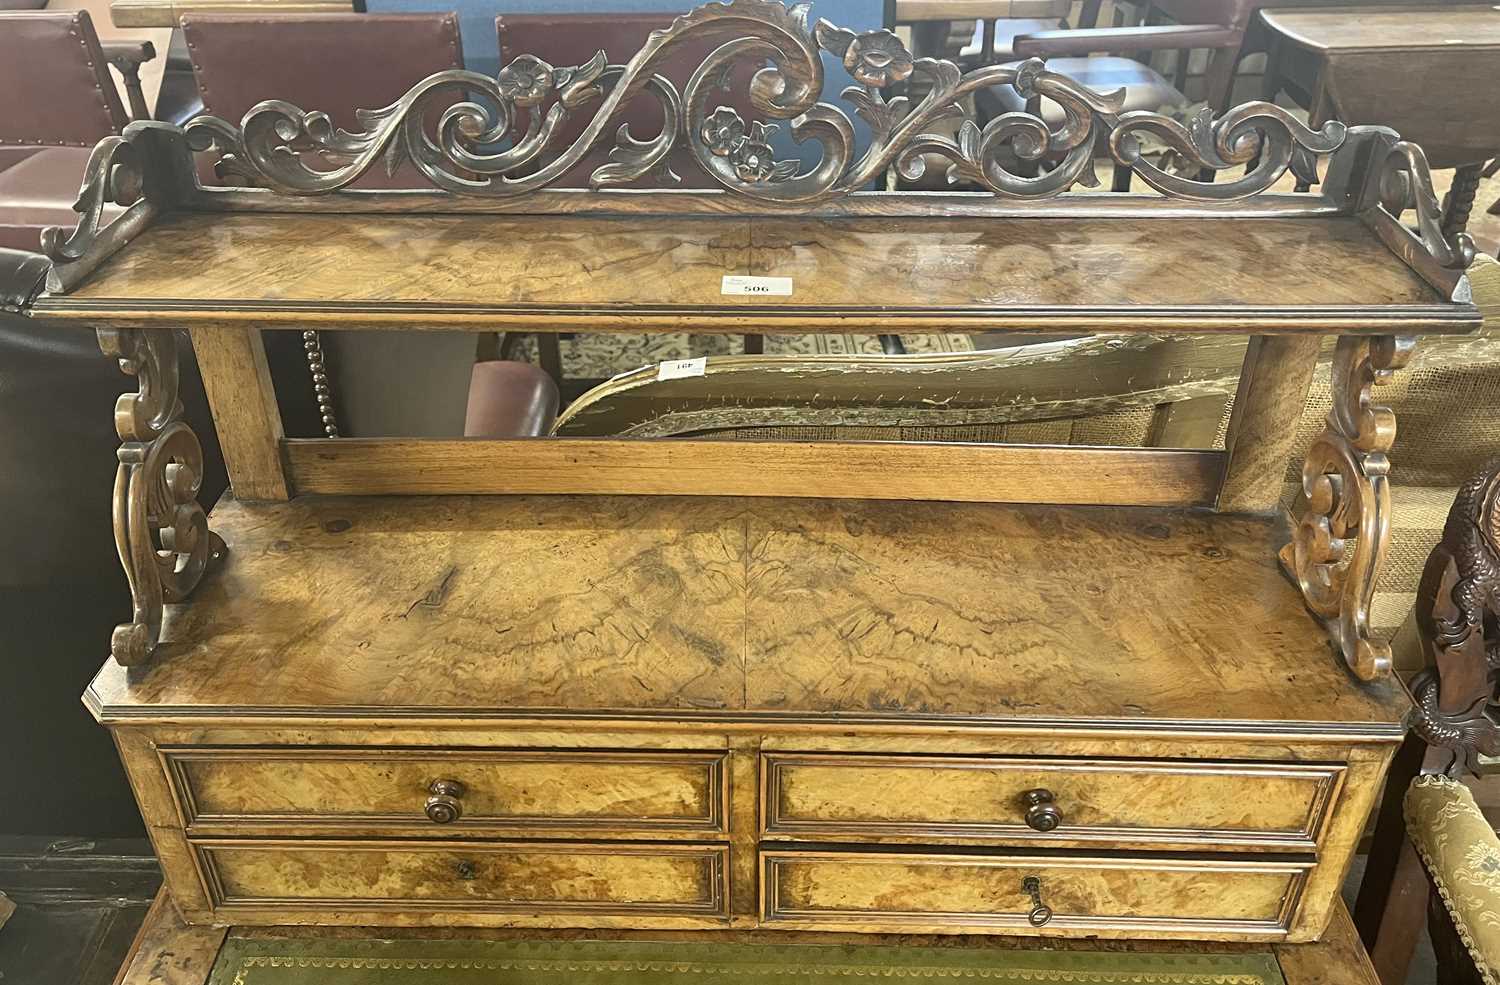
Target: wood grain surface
<point>168,951</point>
<point>1402,28</point>
<point>620,793</point>
<point>834,469</point>
<point>165,13</point>
<point>434,271</point>
<point>891,798</point>
<point>1261,440</point>
<point>247,419</point>
<point>533,878</point>
<point>1110,897</point>
<point>747,610</point>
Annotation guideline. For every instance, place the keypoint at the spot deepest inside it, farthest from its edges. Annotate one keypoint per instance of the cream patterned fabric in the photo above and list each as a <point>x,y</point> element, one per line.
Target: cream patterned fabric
<point>1462,854</point>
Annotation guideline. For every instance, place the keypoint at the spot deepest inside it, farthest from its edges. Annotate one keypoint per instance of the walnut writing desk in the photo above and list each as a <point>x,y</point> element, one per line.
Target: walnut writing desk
<point>1065,691</point>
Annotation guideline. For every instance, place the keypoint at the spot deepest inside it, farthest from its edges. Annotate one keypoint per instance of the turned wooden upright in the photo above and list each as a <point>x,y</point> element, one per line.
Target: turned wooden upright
<point>689,684</point>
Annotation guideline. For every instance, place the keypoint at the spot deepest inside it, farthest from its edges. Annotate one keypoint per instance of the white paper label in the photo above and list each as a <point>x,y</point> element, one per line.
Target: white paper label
<point>742,284</point>
<point>676,369</point>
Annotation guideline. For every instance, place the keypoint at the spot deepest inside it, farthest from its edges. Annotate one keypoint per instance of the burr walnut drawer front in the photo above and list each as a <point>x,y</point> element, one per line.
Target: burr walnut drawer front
<point>978,799</point>
<point>1220,898</point>
<point>355,791</point>
<point>358,880</point>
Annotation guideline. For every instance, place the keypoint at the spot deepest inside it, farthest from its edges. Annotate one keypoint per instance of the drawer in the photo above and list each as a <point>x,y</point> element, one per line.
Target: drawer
<point>851,797</point>
<point>1210,898</point>
<point>384,790</point>
<point>358,878</point>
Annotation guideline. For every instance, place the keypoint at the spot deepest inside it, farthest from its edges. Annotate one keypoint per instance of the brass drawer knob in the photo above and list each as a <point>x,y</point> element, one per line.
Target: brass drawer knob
<point>1040,912</point>
<point>1041,810</point>
<point>443,806</point>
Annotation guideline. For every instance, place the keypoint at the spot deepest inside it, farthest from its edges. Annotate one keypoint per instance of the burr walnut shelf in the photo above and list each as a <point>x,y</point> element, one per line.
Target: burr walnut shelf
<point>747,610</point>
<point>493,271</point>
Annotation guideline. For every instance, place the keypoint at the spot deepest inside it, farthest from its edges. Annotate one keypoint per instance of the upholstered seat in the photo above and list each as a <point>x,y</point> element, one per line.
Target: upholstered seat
<point>38,192</point>
<point>60,101</point>
<point>1145,88</point>
<point>510,399</point>
<point>1461,853</point>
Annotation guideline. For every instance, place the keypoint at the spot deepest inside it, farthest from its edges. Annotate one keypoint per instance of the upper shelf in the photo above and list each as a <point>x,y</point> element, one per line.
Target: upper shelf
<point>488,230</point>
<point>1306,273</point>
<point>748,612</point>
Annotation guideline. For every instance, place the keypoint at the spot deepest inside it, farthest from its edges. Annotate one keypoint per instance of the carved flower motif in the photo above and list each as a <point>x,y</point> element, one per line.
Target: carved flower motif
<point>723,130</point>
<point>752,156</point>
<point>878,58</point>
<point>527,80</point>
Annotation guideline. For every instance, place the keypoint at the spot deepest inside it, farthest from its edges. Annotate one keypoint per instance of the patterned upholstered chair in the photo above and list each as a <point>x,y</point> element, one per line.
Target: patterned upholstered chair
<point>1461,855</point>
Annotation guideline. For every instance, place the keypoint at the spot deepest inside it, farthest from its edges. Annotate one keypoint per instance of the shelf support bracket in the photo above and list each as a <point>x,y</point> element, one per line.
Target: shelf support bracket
<point>161,532</point>
<point>1343,533</point>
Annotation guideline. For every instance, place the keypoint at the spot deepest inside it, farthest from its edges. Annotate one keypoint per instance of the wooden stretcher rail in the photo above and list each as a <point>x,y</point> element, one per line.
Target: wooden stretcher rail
<point>1061,475</point>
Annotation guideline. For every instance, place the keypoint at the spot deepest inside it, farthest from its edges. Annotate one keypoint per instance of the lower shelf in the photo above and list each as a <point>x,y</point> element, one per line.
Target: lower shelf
<point>169,952</point>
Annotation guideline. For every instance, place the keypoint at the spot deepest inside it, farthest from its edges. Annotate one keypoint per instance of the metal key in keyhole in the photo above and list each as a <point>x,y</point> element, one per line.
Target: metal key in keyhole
<point>1040,912</point>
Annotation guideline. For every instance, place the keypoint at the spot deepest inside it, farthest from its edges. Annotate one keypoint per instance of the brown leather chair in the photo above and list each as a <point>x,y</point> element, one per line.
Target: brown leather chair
<point>59,102</point>
<point>510,400</point>
<point>572,39</point>
<point>336,63</point>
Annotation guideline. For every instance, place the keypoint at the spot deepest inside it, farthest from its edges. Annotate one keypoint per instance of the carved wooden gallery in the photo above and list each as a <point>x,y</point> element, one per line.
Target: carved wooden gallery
<point>769,691</point>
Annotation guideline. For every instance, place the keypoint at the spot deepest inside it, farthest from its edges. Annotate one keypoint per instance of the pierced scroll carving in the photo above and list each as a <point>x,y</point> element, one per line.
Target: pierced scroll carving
<point>1406,183</point>
<point>111,177</point>
<point>161,532</point>
<point>1341,539</point>
<point>1458,620</point>
<point>287,149</point>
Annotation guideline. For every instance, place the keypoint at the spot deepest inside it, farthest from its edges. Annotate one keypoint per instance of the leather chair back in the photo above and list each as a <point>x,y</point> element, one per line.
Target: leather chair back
<point>335,63</point>
<point>57,86</point>
<point>572,39</point>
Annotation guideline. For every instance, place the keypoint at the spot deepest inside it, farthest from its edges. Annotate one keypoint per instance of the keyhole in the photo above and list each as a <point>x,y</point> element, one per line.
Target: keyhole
<point>466,870</point>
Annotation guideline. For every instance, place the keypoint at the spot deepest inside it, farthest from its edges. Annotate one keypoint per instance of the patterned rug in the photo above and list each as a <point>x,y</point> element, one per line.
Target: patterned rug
<point>319,961</point>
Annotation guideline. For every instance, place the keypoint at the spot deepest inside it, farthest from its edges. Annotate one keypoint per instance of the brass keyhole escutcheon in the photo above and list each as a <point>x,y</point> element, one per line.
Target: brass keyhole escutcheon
<point>1042,813</point>
<point>1040,912</point>
<point>443,807</point>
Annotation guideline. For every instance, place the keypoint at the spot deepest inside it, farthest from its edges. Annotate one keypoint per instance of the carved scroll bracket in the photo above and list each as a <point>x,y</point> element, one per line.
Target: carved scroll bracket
<point>1341,538</point>
<point>161,532</point>
<point>1458,619</point>
<point>1406,183</point>
<point>142,171</point>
